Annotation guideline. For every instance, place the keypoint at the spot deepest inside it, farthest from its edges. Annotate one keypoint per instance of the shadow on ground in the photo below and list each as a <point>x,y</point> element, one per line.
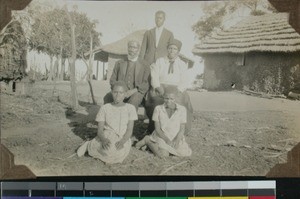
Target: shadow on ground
<point>83,122</point>
<point>139,129</point>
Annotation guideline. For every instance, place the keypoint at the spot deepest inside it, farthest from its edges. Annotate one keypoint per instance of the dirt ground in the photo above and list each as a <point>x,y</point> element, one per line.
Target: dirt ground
<point>232,134</point>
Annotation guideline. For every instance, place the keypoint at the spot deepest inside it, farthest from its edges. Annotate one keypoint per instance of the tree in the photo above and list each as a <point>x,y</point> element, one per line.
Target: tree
<point>88,41</point>
<point>45,36</point>
<point>90,68</point>
<point>66,35</point>
<point>51,35</point>
<point>212,19</point>
<point>215,14</point>
<point>72,62</point>
<point>89,63</point>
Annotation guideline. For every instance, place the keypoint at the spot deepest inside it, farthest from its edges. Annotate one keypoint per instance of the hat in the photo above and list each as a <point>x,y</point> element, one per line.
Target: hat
<point>176,43</point>
<point>170,90</point>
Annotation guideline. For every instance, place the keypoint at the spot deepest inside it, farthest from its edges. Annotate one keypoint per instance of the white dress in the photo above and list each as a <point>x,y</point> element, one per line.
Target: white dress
<point>170,127</point>
<point>115,125</point>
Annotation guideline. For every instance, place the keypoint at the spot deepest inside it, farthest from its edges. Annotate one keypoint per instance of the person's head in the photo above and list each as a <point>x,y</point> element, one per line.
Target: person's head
<point>133,48</point>
<point>160,17</point>
<point>169,96</point>
<point>174,47</point>
<point>118,91</point>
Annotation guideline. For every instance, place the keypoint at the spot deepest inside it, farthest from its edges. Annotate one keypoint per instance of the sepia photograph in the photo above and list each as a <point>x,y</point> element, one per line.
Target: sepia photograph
<point>149,88</point>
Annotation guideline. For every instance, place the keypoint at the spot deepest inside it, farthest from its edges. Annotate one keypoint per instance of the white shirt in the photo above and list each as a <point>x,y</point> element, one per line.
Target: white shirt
<point>116,118</point>
<point>158,31</point>
<point>133,59</point>
<point>160,73</point>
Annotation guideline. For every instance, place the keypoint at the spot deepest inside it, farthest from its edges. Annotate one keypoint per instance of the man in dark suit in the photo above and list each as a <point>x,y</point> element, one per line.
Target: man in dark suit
<point>156,40</point>
<point>134,72</point>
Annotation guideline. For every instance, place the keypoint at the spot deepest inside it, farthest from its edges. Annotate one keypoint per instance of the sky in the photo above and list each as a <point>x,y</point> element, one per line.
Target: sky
<point>117,18</point>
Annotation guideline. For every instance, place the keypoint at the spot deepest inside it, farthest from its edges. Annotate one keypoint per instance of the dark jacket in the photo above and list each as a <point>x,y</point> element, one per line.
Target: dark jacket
<point>149,52</point>
<point>142,73</point>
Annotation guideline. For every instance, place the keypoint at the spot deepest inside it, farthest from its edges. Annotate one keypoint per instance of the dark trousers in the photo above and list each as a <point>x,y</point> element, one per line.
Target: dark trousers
<point>136,99</point>
<point>153,100</point>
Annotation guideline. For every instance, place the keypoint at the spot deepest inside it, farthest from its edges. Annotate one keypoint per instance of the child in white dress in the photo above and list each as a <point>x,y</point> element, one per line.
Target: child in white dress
<point>168,136</point>
<point>115,125</point>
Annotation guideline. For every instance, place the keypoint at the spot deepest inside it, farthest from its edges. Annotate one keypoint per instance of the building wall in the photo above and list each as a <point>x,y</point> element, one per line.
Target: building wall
<point>264,72</point>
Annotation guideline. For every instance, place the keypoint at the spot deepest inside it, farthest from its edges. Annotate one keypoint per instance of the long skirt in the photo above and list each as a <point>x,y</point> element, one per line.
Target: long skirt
<point>183,148</point>
<point>112,154</point>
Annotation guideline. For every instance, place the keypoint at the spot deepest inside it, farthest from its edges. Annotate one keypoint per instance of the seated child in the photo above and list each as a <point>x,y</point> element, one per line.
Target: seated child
<point>168,136</point>
<point>115,125</point>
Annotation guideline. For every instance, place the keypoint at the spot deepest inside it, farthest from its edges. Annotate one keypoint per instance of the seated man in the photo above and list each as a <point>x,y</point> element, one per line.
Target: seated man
<point>169,71</point>
<point>134,73</point>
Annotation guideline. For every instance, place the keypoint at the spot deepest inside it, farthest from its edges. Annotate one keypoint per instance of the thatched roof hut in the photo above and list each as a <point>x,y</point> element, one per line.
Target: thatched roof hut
<point>260,52</point>
<point>257,33</point>
<point>7,7</point>
<point>13,51</point>
<point>118,50</point>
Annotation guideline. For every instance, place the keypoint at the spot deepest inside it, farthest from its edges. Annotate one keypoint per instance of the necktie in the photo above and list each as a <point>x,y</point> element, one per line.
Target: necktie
<point>171,67</point>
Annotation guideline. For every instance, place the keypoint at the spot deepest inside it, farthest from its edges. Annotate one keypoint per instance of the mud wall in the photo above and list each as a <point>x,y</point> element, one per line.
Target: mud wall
<point>274,73</point>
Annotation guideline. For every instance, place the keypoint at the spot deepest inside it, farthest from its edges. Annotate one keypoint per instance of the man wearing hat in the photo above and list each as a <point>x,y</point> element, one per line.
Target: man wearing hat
<point>169,71</point>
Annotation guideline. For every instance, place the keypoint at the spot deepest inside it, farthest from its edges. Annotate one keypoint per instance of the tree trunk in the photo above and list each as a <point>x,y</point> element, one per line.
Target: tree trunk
<point>46,72</point>
<point>103,72</point>
<point>51,69</point>
<point>55,69</point>
<point>34,66</point>
<point>62,69</point>
<point>72,64</point>
<point>58,65</point>
<point>92,93</point>
<point>90,69</point>
<point>54,93</point>
<point>97,70</point>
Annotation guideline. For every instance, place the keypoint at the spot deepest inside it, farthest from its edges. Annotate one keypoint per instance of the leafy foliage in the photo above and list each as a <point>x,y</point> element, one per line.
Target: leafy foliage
<point>215,14</point>
<point>211,21</point>
<point>51,32</point>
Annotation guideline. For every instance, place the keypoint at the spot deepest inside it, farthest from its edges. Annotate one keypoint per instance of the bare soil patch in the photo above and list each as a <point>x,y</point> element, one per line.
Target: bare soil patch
<point>43,133</point>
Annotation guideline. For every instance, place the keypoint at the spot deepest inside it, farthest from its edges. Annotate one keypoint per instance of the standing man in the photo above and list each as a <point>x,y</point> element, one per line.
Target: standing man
<point>156,40</point>
<point>134,73</point>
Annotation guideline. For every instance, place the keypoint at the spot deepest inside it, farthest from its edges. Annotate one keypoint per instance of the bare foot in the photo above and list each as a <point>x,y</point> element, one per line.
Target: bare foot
<point>142,143</point>
<point>82,149</point>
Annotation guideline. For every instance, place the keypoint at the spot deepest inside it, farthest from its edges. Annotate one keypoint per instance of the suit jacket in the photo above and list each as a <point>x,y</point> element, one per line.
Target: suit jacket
<point>149,52</point>
<point>142,73</point>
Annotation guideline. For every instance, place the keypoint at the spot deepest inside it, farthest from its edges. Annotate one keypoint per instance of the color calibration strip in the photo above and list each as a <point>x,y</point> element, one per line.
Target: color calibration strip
<point>138,190</point>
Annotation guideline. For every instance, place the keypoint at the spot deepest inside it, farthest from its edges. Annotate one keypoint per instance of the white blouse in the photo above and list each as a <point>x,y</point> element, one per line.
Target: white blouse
<point>116,118</point>
<point>170,126</point>
<point>160,75</point>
